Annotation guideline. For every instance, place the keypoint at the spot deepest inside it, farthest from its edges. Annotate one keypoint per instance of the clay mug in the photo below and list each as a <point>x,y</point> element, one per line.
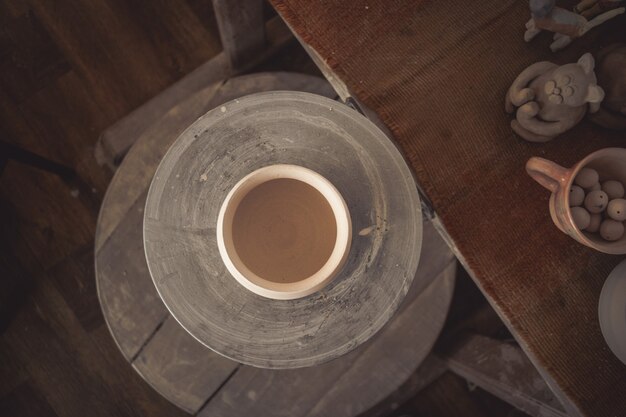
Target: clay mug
<point>610,163</point>
<point>284,231</point>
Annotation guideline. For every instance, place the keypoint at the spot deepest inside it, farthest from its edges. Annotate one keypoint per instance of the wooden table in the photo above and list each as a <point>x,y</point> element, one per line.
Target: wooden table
<point>199,380</point>
<point>435,73</point>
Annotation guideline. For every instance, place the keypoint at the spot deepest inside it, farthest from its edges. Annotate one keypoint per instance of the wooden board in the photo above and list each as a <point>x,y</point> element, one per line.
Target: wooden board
<point>123,293</point>
<point>504,370</point>
<point>241,29</point>
<point>428,372</point>
<point>180,368</point>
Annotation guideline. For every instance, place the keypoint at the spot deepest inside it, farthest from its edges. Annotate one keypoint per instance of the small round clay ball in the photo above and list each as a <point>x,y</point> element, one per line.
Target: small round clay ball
<point>581,217</point>
<point>594,223</point>
<point>596,201</point>
<point>614,189</point>
<point>611,230</point>
<point>617,209</point>
<point>595,187</point>
<point>576,196</point>
<point>587,178</point>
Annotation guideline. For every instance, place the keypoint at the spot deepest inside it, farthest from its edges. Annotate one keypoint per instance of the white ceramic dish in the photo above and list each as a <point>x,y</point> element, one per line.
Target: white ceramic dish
<point>612,311</point>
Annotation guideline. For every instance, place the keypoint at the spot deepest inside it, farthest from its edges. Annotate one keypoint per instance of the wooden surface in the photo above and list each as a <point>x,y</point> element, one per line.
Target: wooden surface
<point>451,395</point>
<point>118,262</point>
<point>173,367</point>
<point>471,165</point>
<point>180,368</point>
<point>504,370</point>
<point>116,140</point>
<point>68,71</point>
<point>241,29</point>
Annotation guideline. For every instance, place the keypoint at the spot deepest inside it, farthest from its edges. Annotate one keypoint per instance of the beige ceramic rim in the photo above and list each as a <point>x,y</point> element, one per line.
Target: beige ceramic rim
<point>275,290</point>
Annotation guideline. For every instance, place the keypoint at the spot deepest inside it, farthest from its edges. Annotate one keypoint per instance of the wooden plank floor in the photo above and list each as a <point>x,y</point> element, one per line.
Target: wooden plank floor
<point>68,70</point>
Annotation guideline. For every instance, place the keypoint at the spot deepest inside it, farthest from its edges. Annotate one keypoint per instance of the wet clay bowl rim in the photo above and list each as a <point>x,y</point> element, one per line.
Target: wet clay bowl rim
<point>558,180</point>
<point>277,290</point>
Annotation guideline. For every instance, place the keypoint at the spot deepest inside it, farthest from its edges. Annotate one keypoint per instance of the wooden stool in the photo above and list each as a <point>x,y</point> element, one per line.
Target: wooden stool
<point>199,380</point>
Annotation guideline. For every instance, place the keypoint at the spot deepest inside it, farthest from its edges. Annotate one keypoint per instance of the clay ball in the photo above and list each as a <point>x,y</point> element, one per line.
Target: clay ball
<point>611,230</point>
<point>587,178</point>
<point>581,217</point>
<point>614,189</point>
<point>595,187</point>
<point>594,223</point>
<point>596,201</point>
<point>576,196</point>
<point>617,209</point>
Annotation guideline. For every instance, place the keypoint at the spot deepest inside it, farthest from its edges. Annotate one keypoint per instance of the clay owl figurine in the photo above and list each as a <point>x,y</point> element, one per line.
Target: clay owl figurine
<point>551,99</point>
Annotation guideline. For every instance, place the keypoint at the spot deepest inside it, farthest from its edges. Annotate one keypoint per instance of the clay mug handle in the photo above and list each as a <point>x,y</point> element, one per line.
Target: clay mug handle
<point>547,173</point>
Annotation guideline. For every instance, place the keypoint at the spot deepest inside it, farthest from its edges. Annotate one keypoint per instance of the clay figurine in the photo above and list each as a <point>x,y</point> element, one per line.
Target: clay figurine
<point>592,8</point>
<point>565,24</point>
<point>551,99</point>
<point>611,72</point>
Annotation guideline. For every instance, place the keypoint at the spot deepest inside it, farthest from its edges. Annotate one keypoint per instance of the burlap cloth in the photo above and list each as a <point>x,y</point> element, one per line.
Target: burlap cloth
<point>436,72</point>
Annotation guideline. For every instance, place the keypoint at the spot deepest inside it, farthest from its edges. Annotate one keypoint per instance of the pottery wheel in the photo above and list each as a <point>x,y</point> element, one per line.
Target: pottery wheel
<point>231,141</point>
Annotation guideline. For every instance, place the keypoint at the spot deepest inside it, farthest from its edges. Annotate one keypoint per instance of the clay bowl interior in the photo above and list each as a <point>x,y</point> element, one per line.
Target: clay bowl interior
<point>284,231</point>
<point>610,165</point>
